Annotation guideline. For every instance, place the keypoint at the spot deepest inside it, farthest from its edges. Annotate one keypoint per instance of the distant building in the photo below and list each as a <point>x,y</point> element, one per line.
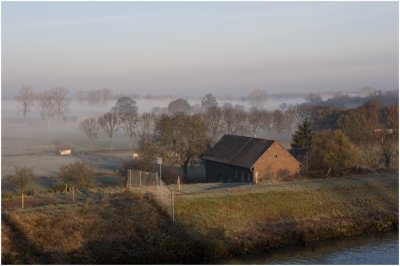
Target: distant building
<point>65,151</point>
<point>246,159</point>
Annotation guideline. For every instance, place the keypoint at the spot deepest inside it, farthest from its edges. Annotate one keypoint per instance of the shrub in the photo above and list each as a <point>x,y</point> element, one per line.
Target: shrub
<point>78,174</point>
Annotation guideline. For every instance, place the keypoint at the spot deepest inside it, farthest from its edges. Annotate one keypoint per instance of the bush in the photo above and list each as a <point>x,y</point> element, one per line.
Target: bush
<point>78,174</point>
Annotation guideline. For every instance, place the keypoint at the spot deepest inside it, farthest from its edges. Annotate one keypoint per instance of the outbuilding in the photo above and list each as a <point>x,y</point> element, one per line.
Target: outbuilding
<point>246,159</point>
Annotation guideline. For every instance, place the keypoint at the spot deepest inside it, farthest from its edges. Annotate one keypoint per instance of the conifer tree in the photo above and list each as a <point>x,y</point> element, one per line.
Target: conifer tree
<point>301,139</point>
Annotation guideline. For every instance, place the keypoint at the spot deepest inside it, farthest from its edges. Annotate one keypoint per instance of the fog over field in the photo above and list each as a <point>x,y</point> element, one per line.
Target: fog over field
<point>34,142</point>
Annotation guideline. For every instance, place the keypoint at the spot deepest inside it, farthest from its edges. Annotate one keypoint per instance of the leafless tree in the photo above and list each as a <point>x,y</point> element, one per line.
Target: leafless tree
<point>110,123</point>
<point>301,112</point>
<point>258,98</point>
<point>90,127</point>
<point>314,98</point>
<point>26,98</point>
<point>81,96</point>
<point>387,150</point>
<point>61,101</point>
<point>288,120</point>
<point>105,95</point>
<point>228,115</point>
<point>278,121</point>
<point>267,122</point>
<point>101,96</point>
<point>214,121</point>
<point>179,106</point>
<point>46,104</point>
<point>146,126</point>
<point>129,124</point>
<point>234,118</point>
<point>208,101</point>
<point>21,180</point>
<point>255,119</point>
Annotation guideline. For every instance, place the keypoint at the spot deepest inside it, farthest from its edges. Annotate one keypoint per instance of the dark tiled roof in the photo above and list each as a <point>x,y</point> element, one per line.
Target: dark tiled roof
<point>238,150</point>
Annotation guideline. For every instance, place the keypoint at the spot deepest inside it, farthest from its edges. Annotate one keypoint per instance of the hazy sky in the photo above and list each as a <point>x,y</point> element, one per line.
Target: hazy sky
<point>191,48</point>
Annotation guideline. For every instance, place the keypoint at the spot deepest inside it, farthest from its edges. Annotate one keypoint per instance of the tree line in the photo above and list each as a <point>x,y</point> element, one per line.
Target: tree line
<point>180,135</point>
<point>54,102</point>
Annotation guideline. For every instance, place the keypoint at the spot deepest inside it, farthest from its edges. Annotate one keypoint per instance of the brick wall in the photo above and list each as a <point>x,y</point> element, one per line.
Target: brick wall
<point>275,162</point>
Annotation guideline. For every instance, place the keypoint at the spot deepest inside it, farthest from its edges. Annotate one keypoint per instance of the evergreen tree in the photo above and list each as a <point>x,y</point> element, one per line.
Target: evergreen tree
<point>301,139</point>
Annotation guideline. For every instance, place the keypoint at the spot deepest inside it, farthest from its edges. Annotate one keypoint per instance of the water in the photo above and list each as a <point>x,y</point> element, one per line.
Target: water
<point>379,249</point>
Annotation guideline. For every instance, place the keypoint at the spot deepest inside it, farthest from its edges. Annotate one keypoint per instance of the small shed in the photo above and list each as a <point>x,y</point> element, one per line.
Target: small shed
<point>65,151</point>
<point>247,159</point>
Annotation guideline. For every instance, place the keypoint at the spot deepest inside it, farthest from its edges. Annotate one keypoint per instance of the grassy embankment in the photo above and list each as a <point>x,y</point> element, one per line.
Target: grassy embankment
<point>129,229</point>
<point>294,213</point>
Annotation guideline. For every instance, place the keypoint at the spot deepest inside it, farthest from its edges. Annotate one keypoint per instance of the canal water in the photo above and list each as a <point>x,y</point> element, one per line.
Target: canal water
<point>375,249</point>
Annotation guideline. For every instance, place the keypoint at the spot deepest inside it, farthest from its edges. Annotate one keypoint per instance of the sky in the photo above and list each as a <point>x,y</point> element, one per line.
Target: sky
<point>194,48</point>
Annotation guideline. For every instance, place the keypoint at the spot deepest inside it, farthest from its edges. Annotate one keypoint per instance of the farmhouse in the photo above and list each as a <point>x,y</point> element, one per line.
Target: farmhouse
<point>246,159</point>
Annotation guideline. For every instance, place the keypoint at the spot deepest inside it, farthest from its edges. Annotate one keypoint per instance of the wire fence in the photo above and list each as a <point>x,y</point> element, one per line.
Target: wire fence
<point>151,183</point>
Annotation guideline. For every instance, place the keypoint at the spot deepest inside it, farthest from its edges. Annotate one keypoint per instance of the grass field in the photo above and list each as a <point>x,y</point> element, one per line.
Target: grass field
<point>212,221</point>
<point>266,211</point>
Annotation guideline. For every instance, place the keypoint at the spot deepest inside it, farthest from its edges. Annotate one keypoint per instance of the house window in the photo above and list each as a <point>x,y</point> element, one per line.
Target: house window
<point>276,156</point>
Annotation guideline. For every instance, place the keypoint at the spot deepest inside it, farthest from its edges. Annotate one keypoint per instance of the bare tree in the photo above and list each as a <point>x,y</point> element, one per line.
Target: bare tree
<point>90,127</point>
<point>301,112</point>
<point>146,126</point>
<point>208,101</point>
<point>255,119</point>
<point>228,115</point>
<point>179,106</point>
<point>46,104</point>
<point>278,121</point>
<point>21,179</point>
<point>110,123</point>
<point>26,97</point>
<point>129,124</point>
<point>234,119</point>
<point>387,151</point>
<point>258,98</point>
<point>105,95</point>
<point>371,154</point>
<point>61,101</point>
<point>314,98</point>
<point>214,121</point>
<point>81,96</point>
<point>288,120</point>
<point>267,123</point>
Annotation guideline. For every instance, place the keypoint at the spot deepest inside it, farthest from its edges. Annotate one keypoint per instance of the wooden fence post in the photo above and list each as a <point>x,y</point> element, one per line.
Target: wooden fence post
<point>172,206</point>
<point>22,200</point>
<point>73,194</point>
<point>178,183</point>
<point>66,189</point>
<point>140,178</point>
<point>130,179</point>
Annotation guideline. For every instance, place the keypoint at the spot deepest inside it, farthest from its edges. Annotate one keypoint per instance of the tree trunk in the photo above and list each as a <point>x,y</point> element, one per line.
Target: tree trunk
<point>111,147</point>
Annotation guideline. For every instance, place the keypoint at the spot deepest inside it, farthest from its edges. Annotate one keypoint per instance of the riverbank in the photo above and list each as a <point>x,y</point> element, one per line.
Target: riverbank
<point>293,213</point>
<point>132,229</point>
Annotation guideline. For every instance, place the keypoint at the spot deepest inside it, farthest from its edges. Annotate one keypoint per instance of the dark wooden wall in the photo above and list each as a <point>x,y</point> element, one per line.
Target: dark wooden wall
<point>220,172</point>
